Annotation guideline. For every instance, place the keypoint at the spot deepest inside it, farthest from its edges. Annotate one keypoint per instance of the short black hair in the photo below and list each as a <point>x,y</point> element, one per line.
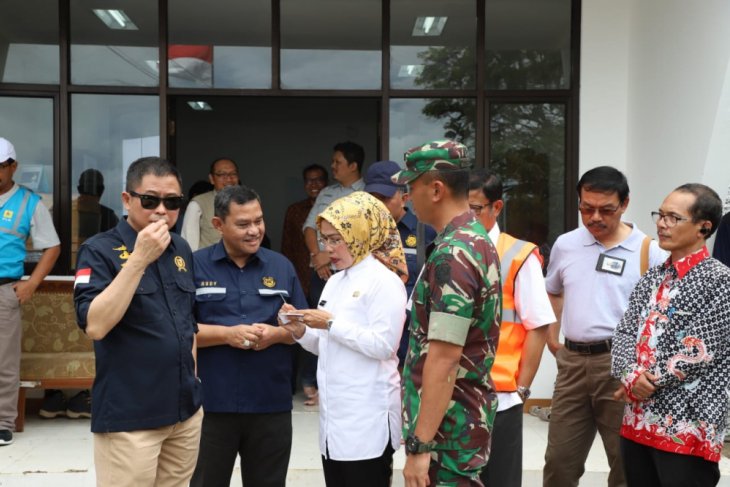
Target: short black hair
<point>233,194</point>
<point>352,151</point>
<point>457,180</point>
<point>215,161</point>
<point>707,205</point>
<point>316,167</point>
<point>605,179</point>
<point>91,183</point>
<point>150,165</point>
<point>488,182</point>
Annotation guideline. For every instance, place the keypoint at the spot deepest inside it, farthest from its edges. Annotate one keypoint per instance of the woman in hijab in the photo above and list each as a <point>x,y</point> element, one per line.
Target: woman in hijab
<point>356,331</point>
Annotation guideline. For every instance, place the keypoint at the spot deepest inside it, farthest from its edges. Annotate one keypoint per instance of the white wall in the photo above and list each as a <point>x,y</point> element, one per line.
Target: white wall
<point>654,103</point>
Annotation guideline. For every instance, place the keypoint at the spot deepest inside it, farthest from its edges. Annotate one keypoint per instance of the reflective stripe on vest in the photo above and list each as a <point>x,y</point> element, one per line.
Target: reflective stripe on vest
<point>512,255</point>
<point>18,218</point>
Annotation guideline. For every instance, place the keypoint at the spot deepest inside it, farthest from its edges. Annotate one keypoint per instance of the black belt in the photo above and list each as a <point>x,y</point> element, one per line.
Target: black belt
<point>6,280</point>
<point>591,348</point>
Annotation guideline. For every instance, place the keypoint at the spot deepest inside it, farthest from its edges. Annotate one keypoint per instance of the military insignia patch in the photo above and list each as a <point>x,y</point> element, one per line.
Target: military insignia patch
<point>124,255</point>
<point>180,264</point>
<point>268,281</point>
<point>411,241</point>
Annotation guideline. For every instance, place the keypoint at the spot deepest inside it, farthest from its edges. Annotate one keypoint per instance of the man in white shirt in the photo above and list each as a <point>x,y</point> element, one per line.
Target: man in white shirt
<point>591,273</point>
<point>197,227</point>
<point>22,214</point>
<point>526,312</point>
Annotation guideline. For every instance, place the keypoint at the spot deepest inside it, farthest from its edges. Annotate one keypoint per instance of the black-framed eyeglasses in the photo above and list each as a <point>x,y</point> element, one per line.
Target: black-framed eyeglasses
<point>477,209</point>
<point>670,219</point>
<point>227,175</point>
<point>150,202</point>
<point>6,164</point>
<point>603,211</point>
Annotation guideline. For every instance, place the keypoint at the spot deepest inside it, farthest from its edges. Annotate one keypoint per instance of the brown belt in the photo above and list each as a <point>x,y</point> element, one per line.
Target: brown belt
<point>6,280</point>
<point>591,348</point>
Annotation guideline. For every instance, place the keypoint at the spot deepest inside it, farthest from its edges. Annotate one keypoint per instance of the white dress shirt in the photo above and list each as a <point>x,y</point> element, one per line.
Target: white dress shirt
<point>357,372</point>
<point>531,304</point>
<point>191,225</point>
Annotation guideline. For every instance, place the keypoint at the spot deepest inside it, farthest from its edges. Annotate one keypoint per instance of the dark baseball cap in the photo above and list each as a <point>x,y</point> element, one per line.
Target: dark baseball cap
<point>378,178</point>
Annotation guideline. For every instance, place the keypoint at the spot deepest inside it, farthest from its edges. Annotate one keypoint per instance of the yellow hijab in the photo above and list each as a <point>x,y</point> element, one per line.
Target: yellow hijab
<point>367,227</point>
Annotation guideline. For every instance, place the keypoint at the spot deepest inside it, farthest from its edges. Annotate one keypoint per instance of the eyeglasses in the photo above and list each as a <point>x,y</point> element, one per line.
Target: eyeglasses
<point>7,164</point>
<point>226,175</point>
<point>332,241</point>
<point>150,202</point>
<point>477,209</point>
<point>603,211</point>
<point>670,219</point>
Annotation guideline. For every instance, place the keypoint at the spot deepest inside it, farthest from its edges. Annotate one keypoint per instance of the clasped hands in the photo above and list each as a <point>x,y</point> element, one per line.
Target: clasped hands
<point>642,389</point>
<point>312,318</point>
<point>256,336</point>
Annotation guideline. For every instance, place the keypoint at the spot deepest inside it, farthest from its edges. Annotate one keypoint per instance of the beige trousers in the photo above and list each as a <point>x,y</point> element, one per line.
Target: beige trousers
<point>161,457</point>
<point>10,332</point>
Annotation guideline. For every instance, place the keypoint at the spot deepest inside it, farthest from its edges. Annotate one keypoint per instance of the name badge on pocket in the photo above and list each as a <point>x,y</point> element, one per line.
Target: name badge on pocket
<point>611,265</point>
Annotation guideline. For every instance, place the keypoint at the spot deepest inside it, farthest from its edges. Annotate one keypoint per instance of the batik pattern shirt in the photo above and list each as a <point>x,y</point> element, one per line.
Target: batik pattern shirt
<point>457,299</point>
<point>677,327</point>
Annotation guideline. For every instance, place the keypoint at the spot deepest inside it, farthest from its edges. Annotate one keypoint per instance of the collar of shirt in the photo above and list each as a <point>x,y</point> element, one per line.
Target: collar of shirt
<point>219,253</point>
<point>409,221</point>
<point>458,221</point>
<point>494,233</point>
<point>685,264</point>
<point>129,235</point>
<point>632,243</point>
<point>5,197</point>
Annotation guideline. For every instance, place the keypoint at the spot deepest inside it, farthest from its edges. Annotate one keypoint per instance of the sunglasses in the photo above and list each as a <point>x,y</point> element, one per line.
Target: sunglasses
<point>150,202</point>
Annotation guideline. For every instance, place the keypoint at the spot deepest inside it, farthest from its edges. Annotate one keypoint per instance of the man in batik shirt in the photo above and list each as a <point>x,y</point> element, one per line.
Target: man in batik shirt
<point>449,401</point>
<point>671,351</point>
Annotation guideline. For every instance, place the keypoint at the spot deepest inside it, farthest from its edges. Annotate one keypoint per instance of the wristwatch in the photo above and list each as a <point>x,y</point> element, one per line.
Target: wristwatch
<point>329,324</point>
<point>524,393</point>
<point>416,446</point>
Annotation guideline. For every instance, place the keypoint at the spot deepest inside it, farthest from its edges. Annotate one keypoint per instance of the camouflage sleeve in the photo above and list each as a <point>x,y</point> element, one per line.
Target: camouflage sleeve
<point>453,280</point>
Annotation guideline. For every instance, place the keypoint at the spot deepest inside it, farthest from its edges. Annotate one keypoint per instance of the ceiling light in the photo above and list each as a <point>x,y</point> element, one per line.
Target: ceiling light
<point>429,26</point>
<point>115,19</point>
<point>200,106</point>
<point>410,70</point>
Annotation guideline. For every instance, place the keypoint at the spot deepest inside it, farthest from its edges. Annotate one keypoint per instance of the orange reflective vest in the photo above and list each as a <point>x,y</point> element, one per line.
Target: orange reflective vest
<point>512,255</point>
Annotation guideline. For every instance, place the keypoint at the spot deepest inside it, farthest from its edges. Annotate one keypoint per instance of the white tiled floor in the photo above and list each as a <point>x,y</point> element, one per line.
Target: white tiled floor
<point>58,453</point>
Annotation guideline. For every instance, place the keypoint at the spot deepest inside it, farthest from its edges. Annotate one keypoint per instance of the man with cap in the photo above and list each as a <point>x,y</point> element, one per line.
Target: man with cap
<point>21,215</point>
<point>379,184</point>
<point>526,312</point>
<point>449,400</point>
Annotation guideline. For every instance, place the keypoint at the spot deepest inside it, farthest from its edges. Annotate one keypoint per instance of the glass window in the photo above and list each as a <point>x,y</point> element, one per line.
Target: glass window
<point>28,124</point>
<point>433,44</point>
<point>114,45</point>
<point>420,120</point>
<point>219,44</point>
<point>29,42</point>
<point>527,149</point>
<point>527,44</point>
<point>331,45</point>
<point>109,132</point>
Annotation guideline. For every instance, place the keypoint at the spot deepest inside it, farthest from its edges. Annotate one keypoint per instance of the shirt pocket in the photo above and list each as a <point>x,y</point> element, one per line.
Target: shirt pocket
<point>272,300</point>
<point>144,306</point>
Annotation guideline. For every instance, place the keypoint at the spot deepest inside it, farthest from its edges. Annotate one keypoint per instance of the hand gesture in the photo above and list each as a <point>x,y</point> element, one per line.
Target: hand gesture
<point>24,290</point>
<point>321,264</point>
<point>316,318</point>
<point>268,335</point>
<point>151,242</point>
<point>415,470</point>
<point>244,337</point>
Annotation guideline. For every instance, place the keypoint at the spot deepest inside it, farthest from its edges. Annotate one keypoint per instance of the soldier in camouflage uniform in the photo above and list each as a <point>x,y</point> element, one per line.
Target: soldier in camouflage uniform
<point>449,401</point>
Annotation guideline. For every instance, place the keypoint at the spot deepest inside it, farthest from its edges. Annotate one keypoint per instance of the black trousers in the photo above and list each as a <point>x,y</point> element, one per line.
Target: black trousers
<point>648,467</point>
<point>504,468</point>
<point>262,440</point>
<point>374,472</point>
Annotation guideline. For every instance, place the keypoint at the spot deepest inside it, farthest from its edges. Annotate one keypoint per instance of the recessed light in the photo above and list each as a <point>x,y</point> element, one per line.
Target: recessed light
<point>410,70</point>
<point>429,26</point>
<point>115,19</point>
<point>200,106</point>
